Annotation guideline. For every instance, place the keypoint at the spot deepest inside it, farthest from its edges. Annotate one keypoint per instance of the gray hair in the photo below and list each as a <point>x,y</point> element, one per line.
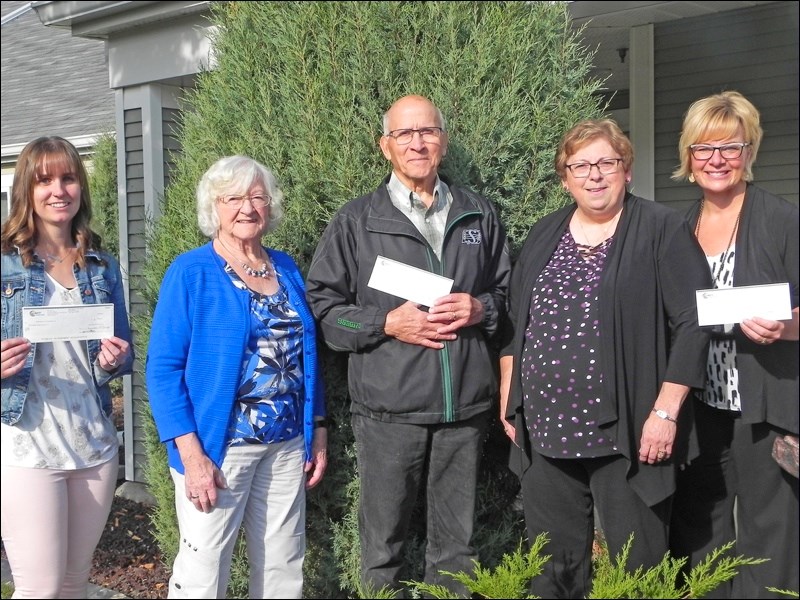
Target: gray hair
<point>235,175</point>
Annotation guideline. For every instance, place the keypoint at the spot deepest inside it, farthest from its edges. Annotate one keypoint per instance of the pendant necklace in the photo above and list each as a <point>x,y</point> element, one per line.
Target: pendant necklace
<point>726,254</point>
<point>54,259</point>
<point>588,250</point>
<point>264,272</point>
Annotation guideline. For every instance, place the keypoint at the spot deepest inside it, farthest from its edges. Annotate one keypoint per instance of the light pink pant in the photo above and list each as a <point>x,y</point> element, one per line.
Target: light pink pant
<point>51,523</point>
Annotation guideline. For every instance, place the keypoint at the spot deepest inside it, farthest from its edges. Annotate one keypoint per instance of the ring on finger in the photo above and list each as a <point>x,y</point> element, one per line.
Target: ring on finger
<point>453,316</point>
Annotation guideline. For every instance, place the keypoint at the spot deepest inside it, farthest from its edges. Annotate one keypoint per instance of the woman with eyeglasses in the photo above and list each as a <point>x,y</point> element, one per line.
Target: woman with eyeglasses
<point>734,490</point>
<point>602,351</point>
<point>236,393</point>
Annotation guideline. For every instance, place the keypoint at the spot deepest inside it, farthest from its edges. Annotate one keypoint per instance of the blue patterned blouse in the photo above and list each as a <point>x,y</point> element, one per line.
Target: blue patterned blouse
<point>269,405</point>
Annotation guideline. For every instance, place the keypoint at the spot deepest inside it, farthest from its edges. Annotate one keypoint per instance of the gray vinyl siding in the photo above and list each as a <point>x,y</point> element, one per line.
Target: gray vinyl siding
<point>753,51</point>
<point>136,215</point>
<point>172,146</point>
<point>53,83</point>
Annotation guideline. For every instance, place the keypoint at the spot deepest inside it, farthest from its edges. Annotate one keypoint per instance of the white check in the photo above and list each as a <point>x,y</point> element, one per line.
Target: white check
<point>63,323</point>
<point>407,282</point>
<point>734,305</point>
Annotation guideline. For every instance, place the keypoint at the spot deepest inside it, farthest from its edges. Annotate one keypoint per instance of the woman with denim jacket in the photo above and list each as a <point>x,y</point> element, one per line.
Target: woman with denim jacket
<point>59,446</point>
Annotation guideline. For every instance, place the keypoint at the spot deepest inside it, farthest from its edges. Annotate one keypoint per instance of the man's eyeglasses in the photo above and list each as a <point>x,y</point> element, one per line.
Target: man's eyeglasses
<point>606,166</point>
<point>727,151</point>
<point>258,201</point>
<point>428,134</point>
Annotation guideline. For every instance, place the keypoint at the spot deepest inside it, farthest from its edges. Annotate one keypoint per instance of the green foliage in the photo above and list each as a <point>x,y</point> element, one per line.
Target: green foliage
<point>665,580</point>
<point>610,579</point>
<point>105,205</point>
<point>717,568</point>
<point>510,579</point>
<point>159,482</point>
<point>103,189</point>
<point>302,87</point>
<point>789,593</point>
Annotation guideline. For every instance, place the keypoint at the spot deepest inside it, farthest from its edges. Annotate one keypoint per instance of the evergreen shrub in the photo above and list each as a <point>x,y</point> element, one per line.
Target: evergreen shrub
<point>302,88</point>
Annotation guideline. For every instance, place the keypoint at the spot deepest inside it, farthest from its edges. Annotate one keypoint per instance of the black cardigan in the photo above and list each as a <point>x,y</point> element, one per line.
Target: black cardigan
<point>766,252</point>
<point>648,329</point>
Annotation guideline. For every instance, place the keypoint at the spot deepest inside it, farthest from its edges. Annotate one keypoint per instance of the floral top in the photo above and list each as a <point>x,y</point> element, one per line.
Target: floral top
<point>63,426</point>
<point>269,405</point>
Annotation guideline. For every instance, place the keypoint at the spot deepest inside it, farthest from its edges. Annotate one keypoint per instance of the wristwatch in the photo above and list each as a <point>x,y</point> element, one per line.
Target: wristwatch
<point>324,422</point>
<point>662,414</point>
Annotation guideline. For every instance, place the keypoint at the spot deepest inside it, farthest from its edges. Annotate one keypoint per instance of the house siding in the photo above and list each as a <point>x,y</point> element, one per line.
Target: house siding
<point>138,217</point>
<point>753,51</point>
<point>133,144</point>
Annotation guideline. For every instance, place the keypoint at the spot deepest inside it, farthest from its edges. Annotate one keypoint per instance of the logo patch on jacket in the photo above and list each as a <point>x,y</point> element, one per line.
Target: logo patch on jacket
<point>471,236</point>
<point>348,324</point>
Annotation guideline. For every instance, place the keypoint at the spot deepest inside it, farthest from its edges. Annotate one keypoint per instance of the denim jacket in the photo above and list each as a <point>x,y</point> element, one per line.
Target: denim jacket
<point>99,282</point>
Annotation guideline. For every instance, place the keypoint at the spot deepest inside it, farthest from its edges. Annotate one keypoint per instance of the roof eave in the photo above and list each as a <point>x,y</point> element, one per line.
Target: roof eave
<point>100,18</point>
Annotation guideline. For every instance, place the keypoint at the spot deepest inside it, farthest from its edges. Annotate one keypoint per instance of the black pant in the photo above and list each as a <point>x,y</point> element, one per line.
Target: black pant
<point>393,458</point>
<point>736,491</point>
<point>560,497</point>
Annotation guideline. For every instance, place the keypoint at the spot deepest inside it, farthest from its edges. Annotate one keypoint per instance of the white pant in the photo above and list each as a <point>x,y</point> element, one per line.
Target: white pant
<point>52,520</point>
<point>266,494</point>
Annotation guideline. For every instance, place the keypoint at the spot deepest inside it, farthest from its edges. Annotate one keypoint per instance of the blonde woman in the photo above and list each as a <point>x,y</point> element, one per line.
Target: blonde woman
<point>750,237</point>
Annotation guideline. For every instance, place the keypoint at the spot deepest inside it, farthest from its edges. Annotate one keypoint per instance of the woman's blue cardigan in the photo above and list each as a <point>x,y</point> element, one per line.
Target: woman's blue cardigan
<point>198,338</point>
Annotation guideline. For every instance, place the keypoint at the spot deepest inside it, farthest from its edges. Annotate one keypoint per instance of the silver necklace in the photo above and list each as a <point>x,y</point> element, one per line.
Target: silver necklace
<point>264,272</point>
<point>52,258</point>
<point>590,249</point>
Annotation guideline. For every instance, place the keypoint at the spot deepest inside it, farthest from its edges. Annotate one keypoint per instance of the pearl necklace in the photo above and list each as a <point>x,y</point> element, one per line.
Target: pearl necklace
<point>264,272</point>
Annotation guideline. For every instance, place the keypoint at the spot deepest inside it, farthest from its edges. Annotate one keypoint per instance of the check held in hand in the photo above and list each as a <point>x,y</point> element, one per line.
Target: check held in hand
<point>734,305</point>
<point>407,282</point>
<point>62,323</point>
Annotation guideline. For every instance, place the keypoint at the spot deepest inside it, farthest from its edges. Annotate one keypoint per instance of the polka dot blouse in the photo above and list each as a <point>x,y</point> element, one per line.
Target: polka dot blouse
<point>561,373</point>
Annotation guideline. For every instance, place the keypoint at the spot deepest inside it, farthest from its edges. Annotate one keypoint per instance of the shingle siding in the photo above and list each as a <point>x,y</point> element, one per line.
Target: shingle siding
<point>52,83</point>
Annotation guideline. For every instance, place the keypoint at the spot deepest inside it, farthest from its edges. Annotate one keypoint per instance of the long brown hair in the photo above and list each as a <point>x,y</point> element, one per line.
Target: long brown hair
<point>38,158</point>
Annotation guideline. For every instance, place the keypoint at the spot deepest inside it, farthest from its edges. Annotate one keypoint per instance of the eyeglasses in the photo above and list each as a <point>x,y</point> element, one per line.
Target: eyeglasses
<point>606,166</point>
<point>236,202</point>
<point>428,134</point>
<point>727,151</point>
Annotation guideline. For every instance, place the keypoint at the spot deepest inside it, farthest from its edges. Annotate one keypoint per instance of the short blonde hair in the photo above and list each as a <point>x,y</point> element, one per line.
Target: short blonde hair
<point>234,175</point>
<point>717,117</point>
<point>588,131</point>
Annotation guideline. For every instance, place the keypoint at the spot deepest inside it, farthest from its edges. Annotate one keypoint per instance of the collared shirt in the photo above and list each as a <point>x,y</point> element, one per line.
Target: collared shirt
<point>429,221</point>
